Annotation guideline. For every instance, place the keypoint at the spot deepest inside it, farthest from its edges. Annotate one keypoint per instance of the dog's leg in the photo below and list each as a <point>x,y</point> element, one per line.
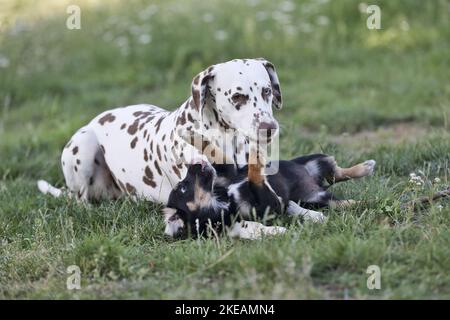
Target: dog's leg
<point>47,188</point>
<point>294,209</point>
<point>85,170</point>
<point>253,230</point>
<point>360,170</point>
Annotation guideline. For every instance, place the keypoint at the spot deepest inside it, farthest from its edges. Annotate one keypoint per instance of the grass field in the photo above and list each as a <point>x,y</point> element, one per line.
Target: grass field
<point>349,91</point>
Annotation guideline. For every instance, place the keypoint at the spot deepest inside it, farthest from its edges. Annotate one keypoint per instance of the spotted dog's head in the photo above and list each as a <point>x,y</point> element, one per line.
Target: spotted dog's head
<point>239,94</point>
<point>192,203</point>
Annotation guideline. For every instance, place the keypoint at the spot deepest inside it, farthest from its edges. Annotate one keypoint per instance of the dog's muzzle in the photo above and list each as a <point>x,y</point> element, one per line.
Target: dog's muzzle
<point>267,130</point>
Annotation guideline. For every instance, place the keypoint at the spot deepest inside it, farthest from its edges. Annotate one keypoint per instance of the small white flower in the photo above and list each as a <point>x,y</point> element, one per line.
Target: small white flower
<point>306,27</point>
<point>108,36</point>
<point>261,15</point>
<point>208,17</point>
<point>4,62</point>
<point>440,207</point>
<point>122,41</point>
<point>287,6</point>
<point>362,7</point>
<point>323,20</point>
<point>437,180</point>
<point>404,25</point>
<point>148,12</point>
<point>145,38</point>
<point>267,34</point>
<point>253,3</point>
<point>281,17</point>
<point>221,35</point>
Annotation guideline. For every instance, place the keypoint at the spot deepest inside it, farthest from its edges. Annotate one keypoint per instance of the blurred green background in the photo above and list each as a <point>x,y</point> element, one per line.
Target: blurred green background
<point>349,91</point>
<point>337,75</point>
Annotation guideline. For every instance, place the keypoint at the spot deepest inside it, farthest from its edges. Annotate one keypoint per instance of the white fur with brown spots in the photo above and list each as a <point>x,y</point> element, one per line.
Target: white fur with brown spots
<point>136,150</point>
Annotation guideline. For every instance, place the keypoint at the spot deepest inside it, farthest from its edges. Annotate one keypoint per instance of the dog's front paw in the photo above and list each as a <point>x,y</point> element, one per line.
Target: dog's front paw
<point>273,231</point>
<point>314,216</point>
<point>251,230</point>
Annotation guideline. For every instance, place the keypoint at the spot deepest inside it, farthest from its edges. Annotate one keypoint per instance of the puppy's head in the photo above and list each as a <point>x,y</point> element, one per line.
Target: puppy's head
<point>192,203</point>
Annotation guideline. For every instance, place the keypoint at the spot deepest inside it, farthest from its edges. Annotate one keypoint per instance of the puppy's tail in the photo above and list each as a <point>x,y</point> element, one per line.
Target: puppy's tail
<point>47,188</point>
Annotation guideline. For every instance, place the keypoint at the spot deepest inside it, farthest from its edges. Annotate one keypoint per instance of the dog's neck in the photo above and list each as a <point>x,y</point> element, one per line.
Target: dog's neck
<point>206,122</point>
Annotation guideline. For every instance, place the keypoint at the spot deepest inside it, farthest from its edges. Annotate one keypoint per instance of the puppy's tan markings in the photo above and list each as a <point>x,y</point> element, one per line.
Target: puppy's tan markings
<point>358,171</point>
<point>202,198</point>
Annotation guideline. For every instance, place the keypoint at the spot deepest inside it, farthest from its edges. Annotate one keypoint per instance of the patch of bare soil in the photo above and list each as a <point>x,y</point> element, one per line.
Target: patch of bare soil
<point>387,135</point>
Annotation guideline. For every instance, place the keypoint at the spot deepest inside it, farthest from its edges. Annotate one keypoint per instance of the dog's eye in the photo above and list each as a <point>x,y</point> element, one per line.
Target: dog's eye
<point>267,92</point>
<point>239,98</point>
<point>182,188</point>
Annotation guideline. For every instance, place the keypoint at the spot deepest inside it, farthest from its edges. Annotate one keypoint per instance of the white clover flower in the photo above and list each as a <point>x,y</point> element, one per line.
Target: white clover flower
<point>287,6</point>
<point>148,12</point>
<point>323,20</point>
<point>221,35</point>
<point>108,36</point>
<point>4,62</point>
<point>437,180</point>
<point>362,7</point>
<point>404,25</point>
<point>253,3</point>
<point>306,27</point>
<point>208,17</point>
<point>145,38</point>
<point>261,15</point>
<point>281,17</point>
<point>289,29</point>
<point>267,34</point>
<point>415,179</point>
<point>122,41</point>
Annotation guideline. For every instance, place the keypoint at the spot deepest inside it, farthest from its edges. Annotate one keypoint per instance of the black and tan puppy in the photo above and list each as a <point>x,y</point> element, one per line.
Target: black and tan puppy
<point>222,196</point>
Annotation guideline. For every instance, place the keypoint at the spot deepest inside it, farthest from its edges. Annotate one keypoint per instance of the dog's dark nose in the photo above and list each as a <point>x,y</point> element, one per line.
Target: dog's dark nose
<point>269,127</point>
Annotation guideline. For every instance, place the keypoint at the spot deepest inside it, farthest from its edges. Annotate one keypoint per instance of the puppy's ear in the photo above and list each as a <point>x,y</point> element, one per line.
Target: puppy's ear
<point>277,101</point>
<point>201,87</point>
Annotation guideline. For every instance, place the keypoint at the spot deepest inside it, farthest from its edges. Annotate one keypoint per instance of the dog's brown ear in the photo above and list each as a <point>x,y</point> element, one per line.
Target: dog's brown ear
<point>200,88</point>
<point>277,100</point>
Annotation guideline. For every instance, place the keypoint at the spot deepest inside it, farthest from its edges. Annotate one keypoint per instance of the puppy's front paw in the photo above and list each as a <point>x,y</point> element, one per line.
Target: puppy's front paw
<point>251,230</point>
<point>314,216</point>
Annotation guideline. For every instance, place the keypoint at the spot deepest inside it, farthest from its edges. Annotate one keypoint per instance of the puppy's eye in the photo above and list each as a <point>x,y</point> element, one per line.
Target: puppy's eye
<point>239,98</point>
<point>183,189</point>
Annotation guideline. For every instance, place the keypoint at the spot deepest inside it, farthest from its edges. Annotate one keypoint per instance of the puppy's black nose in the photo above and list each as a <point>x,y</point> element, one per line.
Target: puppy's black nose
<point>269,127</point>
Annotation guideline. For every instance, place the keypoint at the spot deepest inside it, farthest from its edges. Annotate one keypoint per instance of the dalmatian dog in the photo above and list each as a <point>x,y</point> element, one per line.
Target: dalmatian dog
<point>142,150</point>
